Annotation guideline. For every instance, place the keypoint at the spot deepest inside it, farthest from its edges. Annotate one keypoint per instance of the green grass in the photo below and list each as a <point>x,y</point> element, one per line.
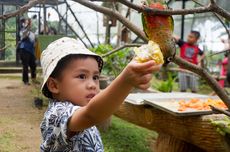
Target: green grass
<point>126,137</point>
<point>6,140</point>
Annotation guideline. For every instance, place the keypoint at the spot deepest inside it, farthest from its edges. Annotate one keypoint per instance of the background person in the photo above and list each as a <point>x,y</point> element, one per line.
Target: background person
<point>26,50</point>
<point>189,51</point>
<point>223,70</point>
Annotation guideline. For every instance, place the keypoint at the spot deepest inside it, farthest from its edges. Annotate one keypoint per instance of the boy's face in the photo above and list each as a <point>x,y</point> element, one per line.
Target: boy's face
<point>79,82</point>
<point>192,39</point>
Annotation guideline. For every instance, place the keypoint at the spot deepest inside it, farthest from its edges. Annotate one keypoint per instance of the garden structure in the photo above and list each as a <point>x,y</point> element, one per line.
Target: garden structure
<point>40,22</point>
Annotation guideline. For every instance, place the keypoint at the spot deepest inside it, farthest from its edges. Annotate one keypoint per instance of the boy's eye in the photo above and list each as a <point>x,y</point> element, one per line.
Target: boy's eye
<point>81,76</point>
<point>96,77</point>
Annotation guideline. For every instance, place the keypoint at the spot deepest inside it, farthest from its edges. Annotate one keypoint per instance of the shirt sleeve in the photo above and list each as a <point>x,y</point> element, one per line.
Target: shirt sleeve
<point>24,33</point>
<point>201,52</point>
<point>225,61</point>
<point>180,42</point>
<point>64,118</point>
<point>54,132</point>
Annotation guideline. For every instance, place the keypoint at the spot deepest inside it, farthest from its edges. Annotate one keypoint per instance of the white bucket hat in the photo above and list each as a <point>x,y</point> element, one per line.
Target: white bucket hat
<point>59,49</point>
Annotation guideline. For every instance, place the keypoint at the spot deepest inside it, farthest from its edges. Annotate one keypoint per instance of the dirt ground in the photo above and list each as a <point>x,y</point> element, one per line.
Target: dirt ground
<point>19,119</point>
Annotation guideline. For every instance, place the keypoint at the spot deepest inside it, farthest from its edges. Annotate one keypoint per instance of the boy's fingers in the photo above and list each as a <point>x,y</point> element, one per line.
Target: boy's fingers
<point>145,78</point>
<point>152,69</point>
<point>142,66</point>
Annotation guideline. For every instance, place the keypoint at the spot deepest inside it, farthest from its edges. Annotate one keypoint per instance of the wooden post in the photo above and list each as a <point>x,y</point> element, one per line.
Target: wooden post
<point>17,38</point>
<point>107,33</point>
<point>44,19</point>
<point>182,20</point>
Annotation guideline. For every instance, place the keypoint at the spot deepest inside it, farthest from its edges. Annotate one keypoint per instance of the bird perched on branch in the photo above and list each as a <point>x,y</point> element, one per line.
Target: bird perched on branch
<point>159,29</point>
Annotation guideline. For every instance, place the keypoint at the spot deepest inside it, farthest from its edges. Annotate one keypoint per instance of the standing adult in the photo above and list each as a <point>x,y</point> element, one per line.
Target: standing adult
<point>27,53</point>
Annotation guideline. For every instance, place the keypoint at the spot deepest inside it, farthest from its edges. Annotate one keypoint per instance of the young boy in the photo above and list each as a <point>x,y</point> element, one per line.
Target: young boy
<point>71,82</point>
<point>189,51</point>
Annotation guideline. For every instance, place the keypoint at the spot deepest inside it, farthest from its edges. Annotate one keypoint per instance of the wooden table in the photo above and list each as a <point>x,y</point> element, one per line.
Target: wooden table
<point>177,134</point>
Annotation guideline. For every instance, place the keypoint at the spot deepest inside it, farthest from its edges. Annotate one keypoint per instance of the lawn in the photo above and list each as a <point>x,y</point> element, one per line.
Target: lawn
<point>126,137</point>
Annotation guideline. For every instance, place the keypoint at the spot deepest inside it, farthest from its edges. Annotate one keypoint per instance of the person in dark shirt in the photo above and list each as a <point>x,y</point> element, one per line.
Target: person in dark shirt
<point>189,51</point>
<point>26,49</point>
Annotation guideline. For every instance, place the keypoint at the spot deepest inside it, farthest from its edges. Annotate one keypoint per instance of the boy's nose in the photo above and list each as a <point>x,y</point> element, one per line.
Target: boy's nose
<point>91,85</point>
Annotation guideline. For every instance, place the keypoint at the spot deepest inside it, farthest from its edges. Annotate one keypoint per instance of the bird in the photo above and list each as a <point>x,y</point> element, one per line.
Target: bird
<point>159,29</point>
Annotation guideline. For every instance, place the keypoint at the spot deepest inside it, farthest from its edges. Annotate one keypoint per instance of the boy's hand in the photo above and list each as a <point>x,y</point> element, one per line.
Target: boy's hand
<point>139,75</point>
<point>176,38</point>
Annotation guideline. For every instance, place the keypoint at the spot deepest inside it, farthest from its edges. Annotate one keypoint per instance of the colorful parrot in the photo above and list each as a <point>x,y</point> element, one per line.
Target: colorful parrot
<point>159,28</point>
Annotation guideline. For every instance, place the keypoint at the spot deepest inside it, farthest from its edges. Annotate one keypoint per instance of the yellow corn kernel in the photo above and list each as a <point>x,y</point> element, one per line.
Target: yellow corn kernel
<point>147,52</point>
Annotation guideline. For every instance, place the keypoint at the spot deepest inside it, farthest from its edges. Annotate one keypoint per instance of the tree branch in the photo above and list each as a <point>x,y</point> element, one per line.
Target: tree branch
<point>2,49</point>
<point>131,5</point>
<point>113,14</point>
<point>205,75</point>
<point>22,10</point>
<point>217,9</point>
<point>223,51</point>
<point>218,110</point>
<point>147,9</point>
<point>120,48</point>
<point>212,7</point>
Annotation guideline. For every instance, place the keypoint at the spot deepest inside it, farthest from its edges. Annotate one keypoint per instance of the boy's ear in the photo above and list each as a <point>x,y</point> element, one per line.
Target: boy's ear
<point>52,85</point>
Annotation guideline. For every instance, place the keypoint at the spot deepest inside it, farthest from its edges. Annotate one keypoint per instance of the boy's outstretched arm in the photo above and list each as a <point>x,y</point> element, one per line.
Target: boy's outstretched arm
<point>107,102</point>
<point>202,57</point>
<point>176,38</point>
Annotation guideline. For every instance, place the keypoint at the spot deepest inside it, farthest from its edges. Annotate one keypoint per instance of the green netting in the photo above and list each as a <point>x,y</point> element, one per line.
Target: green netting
<point>45,40</point>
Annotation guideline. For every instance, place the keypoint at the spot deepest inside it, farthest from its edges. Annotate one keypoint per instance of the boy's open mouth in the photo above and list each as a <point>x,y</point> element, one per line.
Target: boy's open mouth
<point>90,96</point>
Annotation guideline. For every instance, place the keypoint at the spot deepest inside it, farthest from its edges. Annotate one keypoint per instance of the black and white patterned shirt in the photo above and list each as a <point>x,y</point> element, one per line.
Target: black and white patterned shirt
<point>54,131</point>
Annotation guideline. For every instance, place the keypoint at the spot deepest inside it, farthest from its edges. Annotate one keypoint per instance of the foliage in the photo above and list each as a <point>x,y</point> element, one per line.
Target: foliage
<point>126,137</point>
<point>10,36</point>
<point>222,126</point>
<point>114,63</point>
<point>212,61</point>
<point>166,86</point>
